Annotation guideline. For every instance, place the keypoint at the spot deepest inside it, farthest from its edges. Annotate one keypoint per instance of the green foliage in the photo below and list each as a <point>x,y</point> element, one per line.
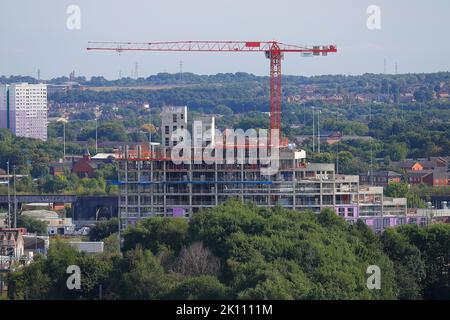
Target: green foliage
<point>103,229</point>
<point>156,233</point>
<point>32,225</point>
<point>264,254</point>
<point>144,277</point>
<point>434,245</point>
<point>423,94</point>
<point>396,190</point>
<point>397,151</point>
<point>408,263</point>
<point>401,190</point>
<point>111,244</point>
<point>283,254</point>
<point>31,282</point>
<point>201,288</point>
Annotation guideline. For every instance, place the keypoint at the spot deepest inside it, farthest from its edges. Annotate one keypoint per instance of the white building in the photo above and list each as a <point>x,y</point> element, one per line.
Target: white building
<point>56,225</point>
<point>172,118</point>
<point>23,109</point>
<point>88,247</point>
<point>205,127</point>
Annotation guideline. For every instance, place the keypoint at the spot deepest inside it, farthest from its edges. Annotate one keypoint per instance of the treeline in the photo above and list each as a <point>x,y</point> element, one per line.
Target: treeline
<point>237,251</point>
<point>239,97</point>
<point>358,83</point>
<point>31,159</point>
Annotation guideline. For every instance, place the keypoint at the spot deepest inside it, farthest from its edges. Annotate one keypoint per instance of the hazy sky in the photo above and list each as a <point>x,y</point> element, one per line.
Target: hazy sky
<point>34,35</point>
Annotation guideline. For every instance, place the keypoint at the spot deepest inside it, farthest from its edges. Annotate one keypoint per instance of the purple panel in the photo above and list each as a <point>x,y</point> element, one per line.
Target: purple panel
<point>393,222</point>
<point>346,207</point>
<point>178,212</point>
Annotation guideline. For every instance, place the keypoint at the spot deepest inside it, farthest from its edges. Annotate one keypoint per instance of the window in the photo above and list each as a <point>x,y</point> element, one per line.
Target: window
<point>167,142</point>
<point>166,130</point>
<point>341,212</point>
<point>174,118</point>
<point>350,212</point>
<point>182,116</point>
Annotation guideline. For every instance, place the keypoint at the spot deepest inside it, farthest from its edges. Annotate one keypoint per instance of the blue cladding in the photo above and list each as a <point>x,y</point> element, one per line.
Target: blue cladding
<point>115,182</point>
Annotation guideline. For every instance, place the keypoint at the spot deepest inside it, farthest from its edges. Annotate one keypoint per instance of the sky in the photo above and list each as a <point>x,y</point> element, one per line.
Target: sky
<point>34,35</point>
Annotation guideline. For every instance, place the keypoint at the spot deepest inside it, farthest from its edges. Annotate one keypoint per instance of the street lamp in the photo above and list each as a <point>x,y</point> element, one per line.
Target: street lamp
<point>96,135</point>
<point>314,131</point>
<point>9,196</point>
<point>318,130</point>
<point>15,196</point>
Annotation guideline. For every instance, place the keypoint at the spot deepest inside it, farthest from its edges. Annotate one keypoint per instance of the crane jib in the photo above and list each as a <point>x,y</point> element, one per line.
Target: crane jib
<point>253,44</point>
<point>273,50</point>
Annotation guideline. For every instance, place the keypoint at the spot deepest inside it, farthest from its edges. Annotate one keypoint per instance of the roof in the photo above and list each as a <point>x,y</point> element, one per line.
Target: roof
<point>387,173</point>
<point>103,156</point>
<point>440,174</point>
<point>431,163</point>
<point>88,162</point>
<point>419,173</point>
<point>38,204</point>
<point>407,163</point>
<point>41,214</point>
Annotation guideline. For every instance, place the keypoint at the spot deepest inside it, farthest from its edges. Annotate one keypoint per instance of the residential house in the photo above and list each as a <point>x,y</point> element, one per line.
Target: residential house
<point>380,178</point>
<point>433,171</point>
<point>85,167</point>
<point>11,246</point>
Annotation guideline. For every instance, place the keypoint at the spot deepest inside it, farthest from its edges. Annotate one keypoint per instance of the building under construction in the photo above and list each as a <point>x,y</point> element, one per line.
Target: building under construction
<point>152,184</point>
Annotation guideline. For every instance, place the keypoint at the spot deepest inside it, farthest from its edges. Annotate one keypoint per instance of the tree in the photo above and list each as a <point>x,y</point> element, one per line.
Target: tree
<point>156,232</point>
<point>60,255</point>
<point>55,184</point>
<point>433,243</point>
<point>95,272</point>
<point>401,190</point>
<point>202,287</point>
<point>396,190</point>
<point>32,225</point>
<point>31,283</point>
<point>408,263</point>
<point>84,116</point>
<point>148,128</point>
<point>196,260</point>
<point>423,94</point>
<point>285,254</point>
<point>223,110</point>
<point>103,229</point>
<point>143,276</point>
<point>397,151</point>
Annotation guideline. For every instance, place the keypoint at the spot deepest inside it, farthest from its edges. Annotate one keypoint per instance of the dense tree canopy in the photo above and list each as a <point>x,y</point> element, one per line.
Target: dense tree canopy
<point>231,251</point>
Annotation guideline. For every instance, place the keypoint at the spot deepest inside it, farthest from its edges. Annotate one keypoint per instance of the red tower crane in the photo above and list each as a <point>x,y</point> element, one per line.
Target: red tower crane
<point>273,50</point>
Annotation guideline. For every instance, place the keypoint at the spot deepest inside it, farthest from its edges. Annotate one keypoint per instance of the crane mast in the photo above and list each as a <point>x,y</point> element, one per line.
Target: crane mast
<point>273,50</point>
